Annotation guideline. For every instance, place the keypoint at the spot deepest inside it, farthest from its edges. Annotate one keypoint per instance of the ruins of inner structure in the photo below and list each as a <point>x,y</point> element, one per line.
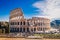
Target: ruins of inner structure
<point>18,24</point>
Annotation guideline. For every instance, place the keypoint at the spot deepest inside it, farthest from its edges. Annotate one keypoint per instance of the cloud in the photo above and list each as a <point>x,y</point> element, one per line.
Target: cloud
<point>4,18</point>
<point>48,8</point>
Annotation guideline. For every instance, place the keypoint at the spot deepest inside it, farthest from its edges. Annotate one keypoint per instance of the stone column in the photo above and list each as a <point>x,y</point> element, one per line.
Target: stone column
<point>26,22</point>
<point>25,29</point>
<point>30,29</point>
<point>19,23</point>
<point>33,29</point>
<point>22,29</point>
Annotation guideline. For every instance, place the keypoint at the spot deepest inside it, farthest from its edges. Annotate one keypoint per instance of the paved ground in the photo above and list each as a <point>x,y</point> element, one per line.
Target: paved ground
<point>24,39</point>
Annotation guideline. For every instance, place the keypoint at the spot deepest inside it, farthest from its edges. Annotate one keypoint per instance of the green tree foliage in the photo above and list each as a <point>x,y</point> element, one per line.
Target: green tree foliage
<point>4,25</point>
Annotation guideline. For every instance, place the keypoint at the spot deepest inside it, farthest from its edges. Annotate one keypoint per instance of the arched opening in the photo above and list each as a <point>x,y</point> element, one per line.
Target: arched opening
<point>28,30</point>
<point>18,23</point>
<point>34,29</point>
<point>23,29</point>
<point>28,23</point>
<point>24,23</point>
<point>21,23</point>
<point>20,29</point>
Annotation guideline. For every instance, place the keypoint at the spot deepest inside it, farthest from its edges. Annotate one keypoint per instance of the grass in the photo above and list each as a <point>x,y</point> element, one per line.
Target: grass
<point>53,36</point>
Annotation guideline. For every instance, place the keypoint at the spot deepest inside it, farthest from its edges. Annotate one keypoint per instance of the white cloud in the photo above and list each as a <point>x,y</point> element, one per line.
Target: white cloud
<point>4,18</point>
<point>49,8</point>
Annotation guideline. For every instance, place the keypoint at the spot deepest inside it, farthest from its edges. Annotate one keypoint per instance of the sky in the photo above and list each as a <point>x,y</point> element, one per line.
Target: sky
<point>31,8</point>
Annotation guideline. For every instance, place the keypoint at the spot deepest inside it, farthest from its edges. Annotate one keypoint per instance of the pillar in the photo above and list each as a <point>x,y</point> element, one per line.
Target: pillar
<point>25,29</point>
<point>22,29</point>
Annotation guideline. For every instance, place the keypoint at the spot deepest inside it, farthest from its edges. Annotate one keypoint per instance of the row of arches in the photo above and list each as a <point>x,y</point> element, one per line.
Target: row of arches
<point>19,23</point>
<point>23,29</point>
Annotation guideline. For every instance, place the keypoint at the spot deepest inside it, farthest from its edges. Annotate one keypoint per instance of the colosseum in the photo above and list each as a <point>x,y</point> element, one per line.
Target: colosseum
<point>19,24</point>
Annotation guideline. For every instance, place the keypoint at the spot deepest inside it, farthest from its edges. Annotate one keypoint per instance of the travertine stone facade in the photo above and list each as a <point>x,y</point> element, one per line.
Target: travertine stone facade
<point>19,24</point>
